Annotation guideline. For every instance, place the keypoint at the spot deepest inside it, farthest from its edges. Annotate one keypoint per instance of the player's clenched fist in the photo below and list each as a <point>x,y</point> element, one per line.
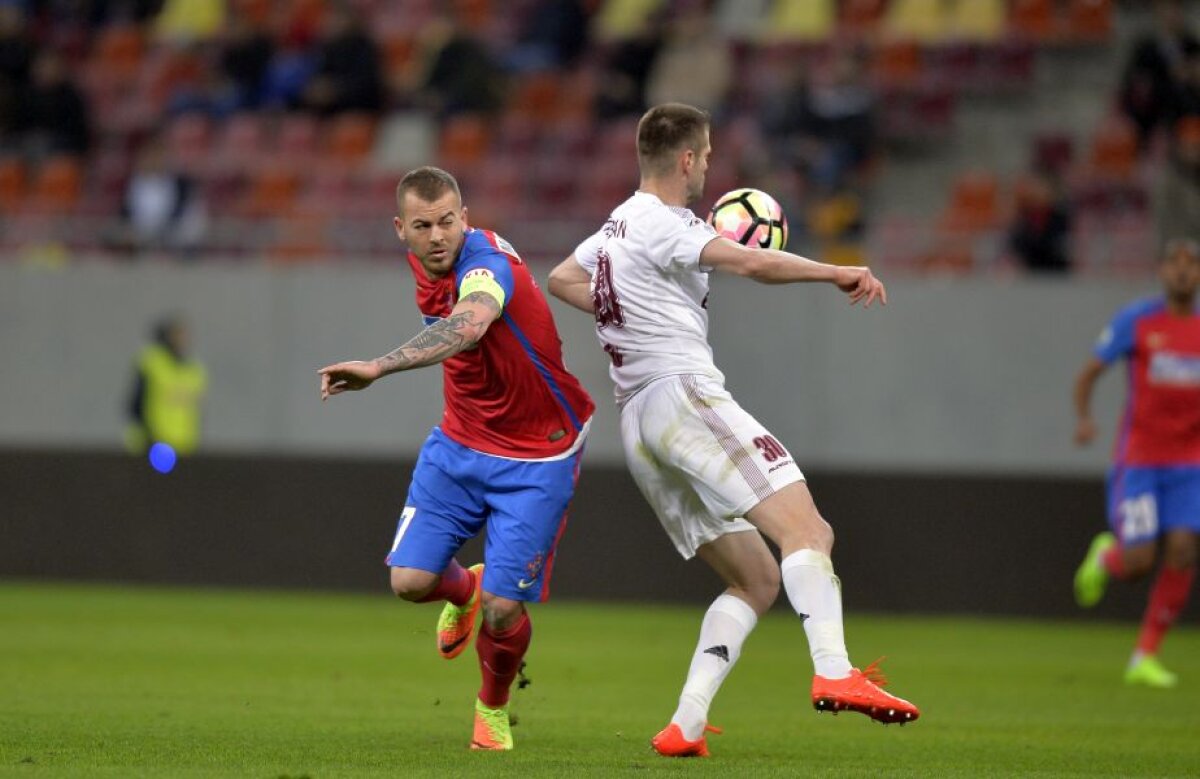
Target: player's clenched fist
<point>344,376</point>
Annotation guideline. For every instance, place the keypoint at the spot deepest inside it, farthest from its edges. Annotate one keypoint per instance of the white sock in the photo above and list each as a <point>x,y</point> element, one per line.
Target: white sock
<point>816,595</point>
<point>726,624</point>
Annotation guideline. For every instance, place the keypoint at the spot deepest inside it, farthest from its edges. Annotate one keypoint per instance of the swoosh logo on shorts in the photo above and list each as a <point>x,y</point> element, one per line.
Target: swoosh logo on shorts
<point>525,585</point>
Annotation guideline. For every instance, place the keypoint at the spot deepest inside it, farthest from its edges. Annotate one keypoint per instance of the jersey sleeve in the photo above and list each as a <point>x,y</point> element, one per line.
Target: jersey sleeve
<point>1117,339</point>
<point>588,252</point>
<point>684,238</point>
<point>486,271</point>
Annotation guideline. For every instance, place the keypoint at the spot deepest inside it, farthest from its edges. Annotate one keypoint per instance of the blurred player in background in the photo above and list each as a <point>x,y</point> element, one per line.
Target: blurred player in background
<point>506,454</point>
<point>1154,483</point>
<point>708,468</point>
<point>168,389</point>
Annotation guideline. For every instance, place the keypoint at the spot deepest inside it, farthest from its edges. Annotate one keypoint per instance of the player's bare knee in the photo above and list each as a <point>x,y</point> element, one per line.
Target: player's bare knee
<point>1140,560</point>
<point>501,613</point>
<point>411,584</point>
<point>1180,551</point>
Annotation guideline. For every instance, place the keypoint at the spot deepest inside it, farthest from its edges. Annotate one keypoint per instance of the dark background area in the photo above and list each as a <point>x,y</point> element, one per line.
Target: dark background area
<point>905,543</point>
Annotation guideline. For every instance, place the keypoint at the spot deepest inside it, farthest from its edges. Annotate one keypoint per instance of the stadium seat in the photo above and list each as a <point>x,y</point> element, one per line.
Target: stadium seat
<point>463,140</point>
<point>1090,21</point>
<point>1052,152</point>
<point>861,17</point>
<point>12,184</point>
<point>118,49</point>
<point>974,203</point>
<point>240,143</point>
<point>977,20</point>
<point>1034,19</point>
<point>56,186</point>
<point>800,20</point>
<point>917,20</point>
<point>538,96</point>
<point>188,139</point>
<point>296,136</point>
<point>898,63</point>
<point>271,190</point>
<point>348,138</point>
<point>1114,150</point>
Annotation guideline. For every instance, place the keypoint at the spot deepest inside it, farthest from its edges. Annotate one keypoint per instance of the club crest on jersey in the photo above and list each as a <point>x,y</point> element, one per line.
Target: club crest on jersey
<point>505,246</point>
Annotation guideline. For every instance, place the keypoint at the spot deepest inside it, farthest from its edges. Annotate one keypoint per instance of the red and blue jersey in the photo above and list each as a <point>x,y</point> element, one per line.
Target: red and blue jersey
<point>1161,424</point>
<point>511,395</point>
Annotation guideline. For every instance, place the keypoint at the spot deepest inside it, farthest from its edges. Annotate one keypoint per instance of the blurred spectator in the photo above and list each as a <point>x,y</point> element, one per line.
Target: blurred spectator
<point>622,86</point>
<point>194,85</point>
<point>16,57</point>
<point>824,125</point>
<point>162,208</point>
<point>168,387</point>
<point>245,56</point>
<point>553,35</point>
<point>1178,204</point>
<point>694,65</point>
<point>1041,228</point>
<point>347,75</point>
<point>189,21</point>
<point>460,75</point>
<point>287,75</point>
<point>1153,74</point>
<point>51,115</point>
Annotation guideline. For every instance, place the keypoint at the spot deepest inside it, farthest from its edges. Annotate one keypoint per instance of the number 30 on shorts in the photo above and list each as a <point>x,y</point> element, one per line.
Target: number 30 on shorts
<point>1139,517</point>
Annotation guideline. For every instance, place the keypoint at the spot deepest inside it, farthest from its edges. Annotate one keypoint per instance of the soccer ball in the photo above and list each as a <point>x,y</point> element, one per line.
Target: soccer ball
<point>751,217</point>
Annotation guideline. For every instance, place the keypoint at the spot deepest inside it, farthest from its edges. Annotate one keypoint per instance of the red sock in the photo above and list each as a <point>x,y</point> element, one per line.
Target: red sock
<point>1168,598</point>
<point>456,585</point>
<point>500,658</point>
<point>1114,561</point>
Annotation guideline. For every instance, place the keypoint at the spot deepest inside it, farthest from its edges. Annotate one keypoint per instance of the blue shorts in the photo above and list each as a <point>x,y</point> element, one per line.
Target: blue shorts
<point>455,491</point>
<point>1146,502</point>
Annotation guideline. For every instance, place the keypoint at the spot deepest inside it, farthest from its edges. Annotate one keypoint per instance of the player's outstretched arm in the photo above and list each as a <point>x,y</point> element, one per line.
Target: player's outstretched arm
<point>570,283</point>
<point>1085,428</point>
<point>770,266</point>
<point>440,341</point>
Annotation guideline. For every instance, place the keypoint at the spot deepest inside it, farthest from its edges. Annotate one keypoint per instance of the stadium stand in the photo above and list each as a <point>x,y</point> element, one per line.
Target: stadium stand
<point>546,152</point>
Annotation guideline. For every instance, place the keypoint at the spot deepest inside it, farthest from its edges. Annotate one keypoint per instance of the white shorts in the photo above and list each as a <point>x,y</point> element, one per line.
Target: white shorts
<point>701,461</point>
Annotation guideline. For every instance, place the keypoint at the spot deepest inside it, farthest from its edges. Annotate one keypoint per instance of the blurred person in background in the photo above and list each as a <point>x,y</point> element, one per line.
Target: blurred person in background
<point>1154,484</point>
<point>347,74</point>
<point>507,452</point>
<point>1040,233</point>
<point>16,60</point>
<point>823,125</point>
<point>1150,85</point>
<point>553,35</point>
<point>456,72</point>
<point>162,209</point>
<point>52,116</point>
<point>245,57</point>
<point>621,90</point>
<point>168,389</point>
<point>694,65</point>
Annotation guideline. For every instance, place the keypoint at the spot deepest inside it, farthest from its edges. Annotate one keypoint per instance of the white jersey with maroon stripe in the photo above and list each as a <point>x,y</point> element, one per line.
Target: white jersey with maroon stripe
<point>650,292</point>
<point>700,459</point>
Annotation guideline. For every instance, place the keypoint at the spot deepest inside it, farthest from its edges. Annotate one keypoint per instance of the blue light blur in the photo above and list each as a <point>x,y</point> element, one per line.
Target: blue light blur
<point>162,458</point>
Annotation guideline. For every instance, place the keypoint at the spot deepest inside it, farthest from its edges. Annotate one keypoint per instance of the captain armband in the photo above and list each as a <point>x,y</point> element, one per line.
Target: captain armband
<point>481,280</point>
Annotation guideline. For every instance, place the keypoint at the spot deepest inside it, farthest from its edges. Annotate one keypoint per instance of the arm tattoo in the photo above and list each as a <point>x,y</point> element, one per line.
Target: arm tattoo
<point>441,340</point>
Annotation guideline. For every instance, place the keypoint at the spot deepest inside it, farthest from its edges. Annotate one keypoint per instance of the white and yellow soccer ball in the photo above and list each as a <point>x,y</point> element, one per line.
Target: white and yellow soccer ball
<point>751,217</point>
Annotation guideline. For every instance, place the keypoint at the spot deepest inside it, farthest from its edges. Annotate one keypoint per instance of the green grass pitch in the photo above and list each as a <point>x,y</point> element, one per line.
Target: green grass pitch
<point>129,682</point>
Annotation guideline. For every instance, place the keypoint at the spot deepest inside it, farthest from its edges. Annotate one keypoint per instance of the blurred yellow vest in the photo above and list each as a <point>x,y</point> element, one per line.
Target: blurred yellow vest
<point>172,401</point>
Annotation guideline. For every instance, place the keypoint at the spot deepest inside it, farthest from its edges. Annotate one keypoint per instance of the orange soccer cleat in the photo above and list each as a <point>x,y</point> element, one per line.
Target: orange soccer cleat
<point>860,691</point>
<point>670,742</point>
<point>457,622</point>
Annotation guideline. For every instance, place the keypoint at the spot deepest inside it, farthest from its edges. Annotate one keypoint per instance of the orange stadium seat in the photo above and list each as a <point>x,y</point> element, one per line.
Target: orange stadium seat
<point>861,17</point>
<point>240,144</point>
<point>1036,19</point>
<point>272,191</point>
<point>12,184</point>
<point>1114,150</point>
<point>56,185</point>
<point>1090,21</point>
<point>538,96</point>
<point>974,203</point>
<point>119,49</point>
<point>463,140</point>
<point>297,136</point>
<point>349,138</point>
<point>897,63</point>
